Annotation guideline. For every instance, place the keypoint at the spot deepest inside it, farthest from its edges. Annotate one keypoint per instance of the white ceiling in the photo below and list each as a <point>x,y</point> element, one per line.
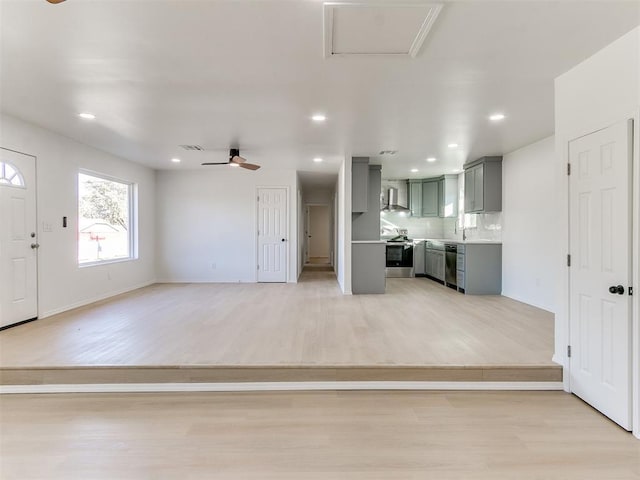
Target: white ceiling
<point>158,74</point>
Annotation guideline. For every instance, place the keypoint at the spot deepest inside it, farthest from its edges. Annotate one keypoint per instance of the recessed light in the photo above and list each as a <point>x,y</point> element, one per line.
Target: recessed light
<point>431,159</point>
<point>318,117</point>
<point>175,160</point>
<point>317,159</point>
<point>87,116</point>
<point>496,117</point>
<point>414,170</point>
<point>233,164</point>
<point>453,145</point>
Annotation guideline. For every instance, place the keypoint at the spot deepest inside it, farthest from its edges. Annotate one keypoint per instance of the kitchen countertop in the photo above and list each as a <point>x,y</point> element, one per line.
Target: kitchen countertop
<point>461,242</point>
<point>368,241</point>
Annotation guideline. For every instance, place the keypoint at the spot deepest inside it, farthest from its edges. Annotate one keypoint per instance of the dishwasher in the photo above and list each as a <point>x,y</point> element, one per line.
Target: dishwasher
<point>451,264</point>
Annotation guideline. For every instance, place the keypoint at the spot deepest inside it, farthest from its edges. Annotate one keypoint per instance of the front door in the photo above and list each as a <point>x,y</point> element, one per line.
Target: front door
<point>272,234</point>
<point>600,270</point>
<point>18,238</point>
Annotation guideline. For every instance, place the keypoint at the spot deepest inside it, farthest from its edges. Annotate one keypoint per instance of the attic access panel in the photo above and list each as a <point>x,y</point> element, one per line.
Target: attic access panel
<point>377,29</point>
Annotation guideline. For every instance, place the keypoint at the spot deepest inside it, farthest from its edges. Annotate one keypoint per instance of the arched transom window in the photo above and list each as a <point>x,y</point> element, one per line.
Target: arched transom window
<point>10,175</point>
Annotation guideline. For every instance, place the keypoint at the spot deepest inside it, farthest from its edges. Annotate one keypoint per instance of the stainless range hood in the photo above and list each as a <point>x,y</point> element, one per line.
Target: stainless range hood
<point>392,202</point>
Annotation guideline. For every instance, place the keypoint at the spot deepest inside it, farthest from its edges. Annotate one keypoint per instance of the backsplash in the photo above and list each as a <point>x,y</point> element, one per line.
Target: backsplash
<point>488,227</point>
<point>479,226</point>
<point>416,227</point>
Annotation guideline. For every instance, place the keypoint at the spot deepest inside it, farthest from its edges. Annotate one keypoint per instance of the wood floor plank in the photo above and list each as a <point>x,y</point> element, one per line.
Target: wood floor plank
<point>418,322</point>
<point>320,435</point>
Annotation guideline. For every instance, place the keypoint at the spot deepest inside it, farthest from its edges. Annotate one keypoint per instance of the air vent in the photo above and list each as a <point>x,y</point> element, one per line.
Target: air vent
<point>388,152</point>
<point>193,147</point>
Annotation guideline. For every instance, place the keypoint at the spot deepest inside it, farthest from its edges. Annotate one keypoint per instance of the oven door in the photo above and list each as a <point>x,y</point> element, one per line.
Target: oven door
<point>400,255</point>
<point>394,255</point>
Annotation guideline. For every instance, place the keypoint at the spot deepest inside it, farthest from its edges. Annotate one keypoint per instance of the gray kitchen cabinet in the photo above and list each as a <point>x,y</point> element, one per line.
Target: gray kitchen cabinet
<point>415,197</point>
<point>483,185</point>
<point>419,261</point>
<point>448,196</point>
<point>359,184</point>
<point>479,268</point>
<point>435,260</point>
<point>366,225</point>
<point>430,198</point>
<point>368,267</point>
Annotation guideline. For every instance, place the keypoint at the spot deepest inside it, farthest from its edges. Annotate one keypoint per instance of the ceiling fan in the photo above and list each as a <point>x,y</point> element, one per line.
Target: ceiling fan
<point>235,160</point>
<point>55,1</point>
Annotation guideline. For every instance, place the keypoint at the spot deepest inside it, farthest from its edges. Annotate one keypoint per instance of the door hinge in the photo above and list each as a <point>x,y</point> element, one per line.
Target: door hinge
<point>568,260</point>
<point>258,267</point>
<point>569,351</point>
<point>630,291</point>
<point>568,169</point>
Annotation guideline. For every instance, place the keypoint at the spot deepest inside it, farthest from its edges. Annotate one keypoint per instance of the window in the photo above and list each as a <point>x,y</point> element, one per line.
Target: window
<point>10,175</point>
<point>105,227</point>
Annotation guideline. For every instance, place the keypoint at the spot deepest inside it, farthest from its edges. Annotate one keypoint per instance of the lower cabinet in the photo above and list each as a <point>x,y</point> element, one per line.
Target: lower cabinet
<point>435,264</point>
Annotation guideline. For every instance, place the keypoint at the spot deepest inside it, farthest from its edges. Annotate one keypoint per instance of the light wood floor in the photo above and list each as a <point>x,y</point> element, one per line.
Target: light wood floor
<point>418,322</point>
<point>333,435</point>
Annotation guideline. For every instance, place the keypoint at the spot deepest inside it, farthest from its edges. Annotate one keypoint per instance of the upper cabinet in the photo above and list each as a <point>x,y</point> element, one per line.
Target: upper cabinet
<point>448,196</point>
<point>430,198</point>
<point>434,197</point>
<point>359,184</point>
<point>415,197</point>
<point>483,185</point>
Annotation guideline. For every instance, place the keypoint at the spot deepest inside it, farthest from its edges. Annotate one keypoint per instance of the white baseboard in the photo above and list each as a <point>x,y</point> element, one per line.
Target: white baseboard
<point>82,303</point>
<point>271,386</point>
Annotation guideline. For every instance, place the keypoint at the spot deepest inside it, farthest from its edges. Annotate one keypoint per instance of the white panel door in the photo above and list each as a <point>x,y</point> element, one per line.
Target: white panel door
<point>272,234</point>
<point>600,271</point>
<point>18,238</point>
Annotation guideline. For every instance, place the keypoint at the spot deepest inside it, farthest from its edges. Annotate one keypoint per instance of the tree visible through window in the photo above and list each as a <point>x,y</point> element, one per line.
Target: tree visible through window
<point>104,219</point>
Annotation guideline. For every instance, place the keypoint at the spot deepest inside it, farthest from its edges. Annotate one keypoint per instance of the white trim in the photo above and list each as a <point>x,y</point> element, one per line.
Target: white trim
<point>272,386</point>
<point>97,298</point>
<point>414,49</point>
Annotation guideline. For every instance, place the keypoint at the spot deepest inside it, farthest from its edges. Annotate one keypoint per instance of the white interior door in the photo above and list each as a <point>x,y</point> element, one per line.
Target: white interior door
<point>272,234</point>
<point>600,247</point>
<point>319,232</point>
<point>18,238</point>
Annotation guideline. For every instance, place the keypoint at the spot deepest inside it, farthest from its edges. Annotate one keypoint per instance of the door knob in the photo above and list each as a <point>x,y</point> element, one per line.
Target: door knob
<point>35,245</point>
<point>619,289</point>
<point>283,240</point>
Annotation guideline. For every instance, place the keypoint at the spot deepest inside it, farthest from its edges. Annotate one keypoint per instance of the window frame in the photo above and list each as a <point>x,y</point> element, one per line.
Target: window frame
<point>132,231</point>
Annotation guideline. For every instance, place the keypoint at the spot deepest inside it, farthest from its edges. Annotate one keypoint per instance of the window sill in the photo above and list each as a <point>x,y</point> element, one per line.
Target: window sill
<point>107,262</point>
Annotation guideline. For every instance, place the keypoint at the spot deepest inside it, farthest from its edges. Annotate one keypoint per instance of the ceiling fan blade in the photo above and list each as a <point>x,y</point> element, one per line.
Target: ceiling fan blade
<point>55,1</point>
<point>238,159</point>
<point>249,166</point>
<point>215,163</point>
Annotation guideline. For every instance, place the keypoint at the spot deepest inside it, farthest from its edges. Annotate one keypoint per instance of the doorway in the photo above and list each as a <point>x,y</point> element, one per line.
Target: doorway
<point>318,235</point>
<point>600,273</point>
<point>18,238</point>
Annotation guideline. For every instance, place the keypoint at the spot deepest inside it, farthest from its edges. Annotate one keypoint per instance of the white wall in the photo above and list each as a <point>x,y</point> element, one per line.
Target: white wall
<point>209,217</point>
<point>601,91</point>
<point>61,283</point>
<point>528,224</point>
